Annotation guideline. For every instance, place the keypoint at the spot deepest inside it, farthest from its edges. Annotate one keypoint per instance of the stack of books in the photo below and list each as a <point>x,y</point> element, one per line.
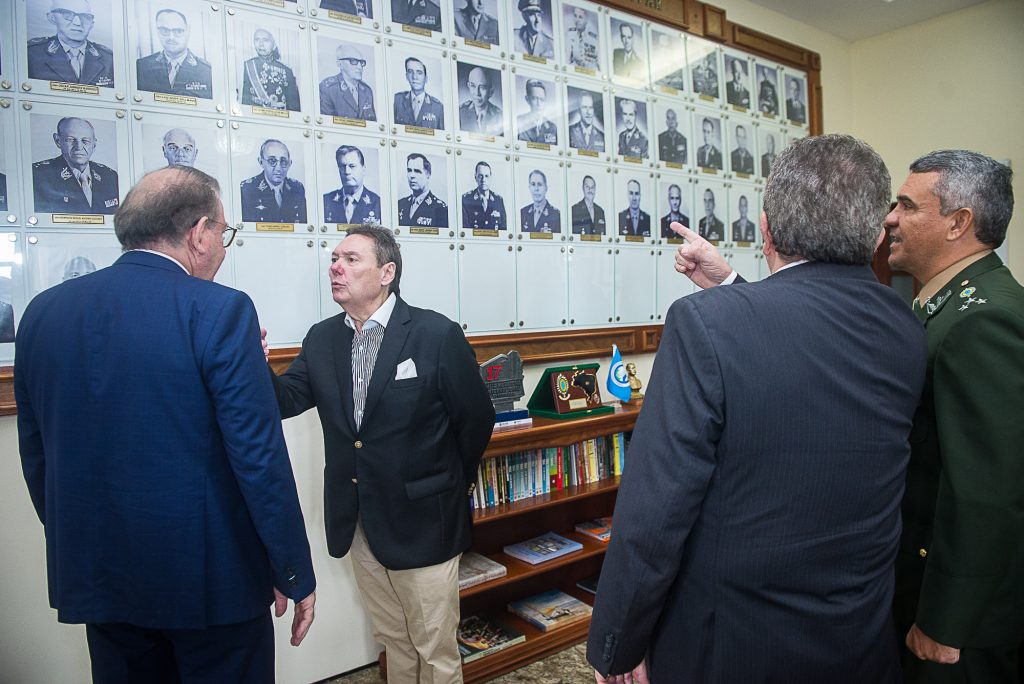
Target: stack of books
<point>543,548</point>
<point>589,584</point>
<point>479,637</point>
<point>598,528</point>
<point>516,419</point>
<point>551,609</point>
<point>476,569</point>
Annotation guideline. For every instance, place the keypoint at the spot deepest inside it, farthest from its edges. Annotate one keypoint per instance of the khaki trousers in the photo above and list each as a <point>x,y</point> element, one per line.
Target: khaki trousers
<point>415,615</point>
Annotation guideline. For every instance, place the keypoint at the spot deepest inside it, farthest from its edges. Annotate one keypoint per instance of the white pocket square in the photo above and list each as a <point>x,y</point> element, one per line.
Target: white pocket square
<point>405,370</point>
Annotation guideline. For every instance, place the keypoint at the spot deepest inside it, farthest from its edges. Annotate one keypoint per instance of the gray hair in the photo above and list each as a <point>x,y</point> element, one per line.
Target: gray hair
<point>161,210</point>
<point>969,180</point>
<point>826,198</point>
<point>386,248</point>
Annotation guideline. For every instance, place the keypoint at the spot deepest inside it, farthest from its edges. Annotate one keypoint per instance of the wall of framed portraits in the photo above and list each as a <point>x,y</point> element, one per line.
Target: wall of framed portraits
<point>528,153</point>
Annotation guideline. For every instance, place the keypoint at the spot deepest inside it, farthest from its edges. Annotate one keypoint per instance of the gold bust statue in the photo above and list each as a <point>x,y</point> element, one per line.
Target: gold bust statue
<point>635,395</point>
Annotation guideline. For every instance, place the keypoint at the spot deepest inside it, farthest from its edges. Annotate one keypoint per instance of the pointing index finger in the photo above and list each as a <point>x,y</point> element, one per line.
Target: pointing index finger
<point>683,231</point>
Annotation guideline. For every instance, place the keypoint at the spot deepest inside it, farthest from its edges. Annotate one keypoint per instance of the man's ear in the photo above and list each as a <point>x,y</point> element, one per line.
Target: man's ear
<point>198,236</point>
<point>767,244</point>
<point>389,273</point>
<point>962,223</point>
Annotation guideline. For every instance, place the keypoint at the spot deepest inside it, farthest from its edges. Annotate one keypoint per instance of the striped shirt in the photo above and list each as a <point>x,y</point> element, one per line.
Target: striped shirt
<point>365,347</point>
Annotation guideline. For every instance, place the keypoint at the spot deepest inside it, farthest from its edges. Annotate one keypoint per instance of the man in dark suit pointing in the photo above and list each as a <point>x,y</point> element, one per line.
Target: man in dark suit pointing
<point>757,526</point>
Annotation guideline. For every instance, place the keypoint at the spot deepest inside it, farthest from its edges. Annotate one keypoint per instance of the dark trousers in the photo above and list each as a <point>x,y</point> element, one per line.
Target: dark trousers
<point>976,666</point>
<point>241,652</point>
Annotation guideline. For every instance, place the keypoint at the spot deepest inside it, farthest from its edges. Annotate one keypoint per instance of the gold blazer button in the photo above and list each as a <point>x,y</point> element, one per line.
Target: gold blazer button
<point>359,444</point>
<point>923,553</point>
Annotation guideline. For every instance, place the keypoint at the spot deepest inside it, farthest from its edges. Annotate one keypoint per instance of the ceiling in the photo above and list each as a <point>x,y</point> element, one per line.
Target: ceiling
<point>854,20</point>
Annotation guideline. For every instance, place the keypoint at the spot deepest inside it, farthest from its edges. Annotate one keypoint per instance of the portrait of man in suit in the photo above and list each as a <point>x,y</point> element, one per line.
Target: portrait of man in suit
<point>767,93</point>
<point>421,207</point>
<point>539,216</point>
<point>705,76</point>
<point>175,69</point>
<point>666,67</point>
<point>473,22</point>
<point>271,196</point>
<point>353,202</point>
<point>587,215</point>
<point>581,38</point>
<point>709,155</point>
<point>68,55</point>
<point>743,227</point>
<point>736,91</point>
<point>267,81</point>
<point>672,143</point>
<point>710,227</point>
<point>626,60</point>
<point>633,220</point>
<point>742,161</point>
<point>479,114</point>
<point>632,141</point>
<point>482,208</point>
<point>356,8</point>
<point>534,126</point>
<point>417,107</point>
<point>179,148</point>
<point>406,418</point>
<point>587,133</point>
<point>796,108</point>
<point>703,476</point>
<point>71,183</point>
<point>345,93</point>
<point>424,14</point>
<point>160,460</point>
<point>675,212</point>
<point>531,37</point>
<point>768,158</point>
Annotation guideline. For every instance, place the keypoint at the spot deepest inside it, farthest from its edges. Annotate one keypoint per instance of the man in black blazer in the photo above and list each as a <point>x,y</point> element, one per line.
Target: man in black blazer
<point>757,524</point>
<point>406,418</point>
<point>587,215</point>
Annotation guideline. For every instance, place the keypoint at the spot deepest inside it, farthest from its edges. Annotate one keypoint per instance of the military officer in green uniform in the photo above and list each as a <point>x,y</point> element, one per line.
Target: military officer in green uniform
<point>271,196</point>
<point>174,69</point>
<point>72,183</point>
<point>267,81</point>
<point>69,56</point>
<point>960,570</point>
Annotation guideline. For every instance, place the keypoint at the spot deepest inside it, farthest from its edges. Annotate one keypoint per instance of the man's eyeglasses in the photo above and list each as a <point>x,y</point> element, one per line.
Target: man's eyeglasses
<point>176,32</point>
<point>354,61</point>
<point>228,234</point>
<point>67,15</point>
<point>283,162</point>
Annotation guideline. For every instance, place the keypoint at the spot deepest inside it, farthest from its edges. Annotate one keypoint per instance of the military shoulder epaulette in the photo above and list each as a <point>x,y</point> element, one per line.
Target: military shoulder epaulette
<point>45,162</point>
<point>102,48</point>
<point>249,181</point>
<point>39,41</point>
<point>440,202</point>
<point>291,182</point>
<point>331,80</point>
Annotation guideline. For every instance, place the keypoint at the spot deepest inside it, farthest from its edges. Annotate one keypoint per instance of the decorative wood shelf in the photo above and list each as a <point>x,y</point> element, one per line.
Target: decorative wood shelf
<point>549,432</point>
<point>569,495</point>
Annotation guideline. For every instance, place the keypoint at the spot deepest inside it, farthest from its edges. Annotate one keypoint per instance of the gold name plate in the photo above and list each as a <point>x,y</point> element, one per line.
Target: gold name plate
<point>267,227</point>
<point>416,230</point>
<point>542,236</point>
<point>344,16</point>
<point>420,130</point>
<point>347,121</point>
<point>266,111</point>
<point>88,219</point>
<point>175,99</point>
<point>587,153</point>
<point>79,88</point>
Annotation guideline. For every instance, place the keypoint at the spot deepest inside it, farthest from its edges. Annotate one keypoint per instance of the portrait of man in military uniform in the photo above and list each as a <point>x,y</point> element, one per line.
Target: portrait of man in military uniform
<point>796,108</point>
<point>705,76</point>
<point>175,69</point>
<point>345,93</point>
<point>743,227</point>
<point>473,21</point>
<point>582,40</point>
<point>357,8</point>
<point>478,112</point>
<point>421,207</point>
<point>672,143</point>
<point>742,161</point>
<point>535,126</point>
<point>271,196</point>
<point>627,61</point>
<point>68,55</point>
<point>633,220</point>
<point>533,37</point>
<point>539,216</point>
<point>179,148</point>
<point>267,81</point>
<point>768,157</point>
<point>586,120</point>
<point>71,183</point>
<point>587,215</point>
<point>710,227</point>
<point>736,91</point>
<point>76,267</point>
<point>632,140</point>
<point>666,65</point>
<point>482,208</point>
<point>676,212</point>
<point>709,155</point>
<point>424,14</point>
<point>767,93</point>
<point>353,202</point>
<point>417,107</point>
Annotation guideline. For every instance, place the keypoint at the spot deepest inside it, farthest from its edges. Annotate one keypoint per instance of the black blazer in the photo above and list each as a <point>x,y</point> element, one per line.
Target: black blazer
<point>757,520</point>
<point>405,472</point>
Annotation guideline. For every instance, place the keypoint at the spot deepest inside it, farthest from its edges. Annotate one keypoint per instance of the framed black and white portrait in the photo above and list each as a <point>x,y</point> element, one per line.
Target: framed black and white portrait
<point>273,177</point>
<point>632,127</point>
<point>705,69</point>
<point>745,213</point>
<point>418,90</point>
<point>709,138</point>
<point>628,43</point>
<point>582,47</point>
<point>737,84</point>
<point>79,165</point>
<point>743,148</point>
<point>796,98</point>
<point>52,257</point>
<point>354,177</point>
<point>484,187</point>
<point>668,60</point>
<point>417,17</point>
<point>675,205</point>
<point>8,63</point>
<point>635,203</point>
<point>588,187</point>
<point>672,124</point>
<point>540,196</point>
<point>267,63</point>
<point>479,23</point>
<point>177,55</point>
<point>422,189</point>
<point>11,209</point>
<point>351,12</point>
<point>766,85</point>
<point>533,29</point>
<point>770,141</point>
<point>12,290</point>
<point>711,209</point>
<point>538,111</point>
<point>585,109</point>
<point>74,48</point>
<point>350,79</point>
<point>482,105</point>
<point>162,139</point>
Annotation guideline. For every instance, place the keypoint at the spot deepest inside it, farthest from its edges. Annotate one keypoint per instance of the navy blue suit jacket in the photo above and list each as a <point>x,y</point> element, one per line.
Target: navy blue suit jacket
<point>757,521</point>
<point>152,448</point>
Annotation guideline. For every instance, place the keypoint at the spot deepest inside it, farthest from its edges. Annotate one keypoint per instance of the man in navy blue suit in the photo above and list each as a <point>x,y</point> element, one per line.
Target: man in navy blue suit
<point>152,448</point>
<point>757,526</point>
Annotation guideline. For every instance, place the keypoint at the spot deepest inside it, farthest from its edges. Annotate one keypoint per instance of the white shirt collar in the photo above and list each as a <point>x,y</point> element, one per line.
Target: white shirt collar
<point>381,316</point>
<point>165,256</point>
<point>792,264</point>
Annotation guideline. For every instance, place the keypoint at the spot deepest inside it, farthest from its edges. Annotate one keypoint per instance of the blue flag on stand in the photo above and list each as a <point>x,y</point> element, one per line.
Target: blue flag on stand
<point>618,380</point>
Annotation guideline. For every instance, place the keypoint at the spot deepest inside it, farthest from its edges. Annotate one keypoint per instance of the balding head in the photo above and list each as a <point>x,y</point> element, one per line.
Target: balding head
<point>164,205</point>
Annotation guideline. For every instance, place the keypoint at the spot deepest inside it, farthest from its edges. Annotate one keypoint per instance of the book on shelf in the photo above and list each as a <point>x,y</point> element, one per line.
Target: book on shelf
<point>476,569</point>
<point>598,528</point>
<point>516,419</point>
<point>479,637</point>
<point>543,548</point>
<point>589,584</point>
<point>551,609</point>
